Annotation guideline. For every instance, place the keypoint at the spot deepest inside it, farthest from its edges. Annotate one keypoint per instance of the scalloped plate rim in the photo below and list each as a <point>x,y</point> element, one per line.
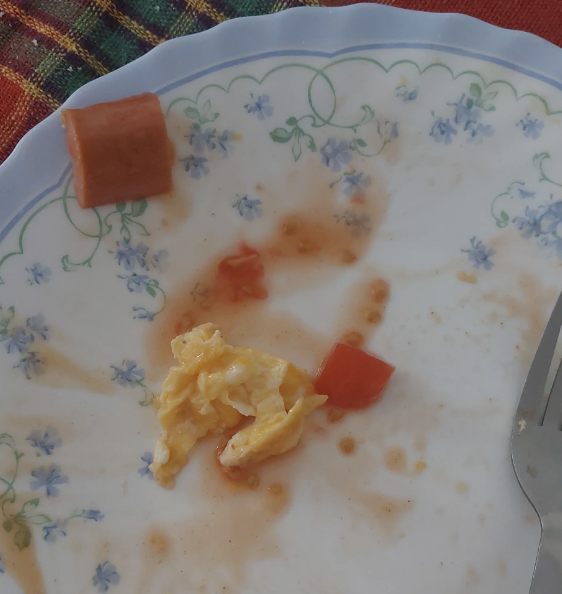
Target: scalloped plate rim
<point>532,51</point>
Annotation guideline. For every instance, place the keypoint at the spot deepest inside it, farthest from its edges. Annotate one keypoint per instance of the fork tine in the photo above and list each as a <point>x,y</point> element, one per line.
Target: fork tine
<point>553,412</point>
<point>536,380</point>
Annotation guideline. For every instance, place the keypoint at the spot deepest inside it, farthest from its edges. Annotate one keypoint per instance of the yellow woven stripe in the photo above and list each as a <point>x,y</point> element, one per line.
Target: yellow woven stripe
<point>10,126</point>
<point>28,86</point>
<point>62,40</point>
<point>129,23</point>
<point>201,7</point>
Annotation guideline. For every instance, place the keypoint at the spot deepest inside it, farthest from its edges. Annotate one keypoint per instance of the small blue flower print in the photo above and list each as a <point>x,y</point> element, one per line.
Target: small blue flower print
<point>520,191</point>
<point>46,441</point>
<point>159,260</point>
<point>130,257</point>
<point>531,128</point>
<point>224,142</point>
<point>478,132</point>
<point>52,531</point>
<point>36,325</point>
<point>30,365</point>
<point>552,216</point>
<point>92,514</point>
<point>525,193</point>
<point>468,113</point>
<point>402,91</point>
<point>388,131</point>
<point>465,112</point>
<point>208,139</point>
<point>335,153</point>
<point>442,130</point>
<point>136,283</point>
<point>479,255</point>
<point>354,183</point>
<point>16,339</point>
<point>106,575</point>
<point>128,374</point>
<point>359,224</point>
<point>38,274</point>
<point>141,313</point>
<point>247,208</point>
<point>553,243</point>
<point>200,139</point>
<point>544,220</point>
<point>48,477</point>
<point>145,470</point>
<point>259,106</point>
<point>196,166</point>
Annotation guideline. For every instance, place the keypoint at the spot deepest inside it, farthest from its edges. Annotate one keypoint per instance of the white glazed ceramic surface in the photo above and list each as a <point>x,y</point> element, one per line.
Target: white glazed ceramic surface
<point>436,139</point>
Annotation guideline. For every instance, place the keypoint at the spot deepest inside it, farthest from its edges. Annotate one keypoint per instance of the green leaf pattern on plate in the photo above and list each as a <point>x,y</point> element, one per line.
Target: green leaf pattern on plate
<point>19,518</point>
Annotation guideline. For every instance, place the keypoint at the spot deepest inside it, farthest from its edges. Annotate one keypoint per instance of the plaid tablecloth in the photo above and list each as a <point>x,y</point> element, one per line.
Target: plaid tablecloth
<point>49,48</point>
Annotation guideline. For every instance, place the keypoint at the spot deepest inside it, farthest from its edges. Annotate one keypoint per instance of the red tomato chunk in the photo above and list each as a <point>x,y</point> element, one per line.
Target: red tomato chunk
<point>351,378</point>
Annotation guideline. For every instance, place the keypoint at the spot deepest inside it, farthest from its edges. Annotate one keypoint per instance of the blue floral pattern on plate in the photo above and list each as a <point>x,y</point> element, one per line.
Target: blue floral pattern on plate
<point>335,154</point>
<point>106,575</point>
<point>45,441</point>
<point>248,208</point>
<point>147,458</point>
<point>49,477</point>
<point>354,183</point>
<point>406,94</point>
<point>259,106</point>
<point>531,128</point>
<point>54,530</point>
<point>18,338</point>
<point>19,523</point>
<point>128,375</point>
<point>468,113</point>
<point>479,255</point>
<point>360,224</point>
<point>534,207</point>
<point>38,274</point>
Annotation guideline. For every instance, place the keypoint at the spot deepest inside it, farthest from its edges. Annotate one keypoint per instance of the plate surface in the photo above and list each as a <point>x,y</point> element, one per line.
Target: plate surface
<point>426,144</point>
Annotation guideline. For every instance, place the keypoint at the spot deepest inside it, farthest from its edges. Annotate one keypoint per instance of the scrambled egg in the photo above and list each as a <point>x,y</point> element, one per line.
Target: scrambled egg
<point>214,388</point>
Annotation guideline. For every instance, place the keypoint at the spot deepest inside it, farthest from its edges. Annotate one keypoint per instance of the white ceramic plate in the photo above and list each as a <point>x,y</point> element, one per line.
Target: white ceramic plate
<point>431,142</point>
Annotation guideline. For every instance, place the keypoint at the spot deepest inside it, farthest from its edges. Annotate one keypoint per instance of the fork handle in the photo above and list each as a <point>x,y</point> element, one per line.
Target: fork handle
<point>547,578</point>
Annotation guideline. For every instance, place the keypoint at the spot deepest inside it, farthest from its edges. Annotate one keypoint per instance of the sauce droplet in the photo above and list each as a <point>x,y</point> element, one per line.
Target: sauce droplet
<point>347,446</point>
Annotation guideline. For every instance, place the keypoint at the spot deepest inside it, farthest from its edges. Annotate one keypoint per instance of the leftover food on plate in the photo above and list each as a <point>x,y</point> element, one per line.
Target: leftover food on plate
<point>351,378</point>
<point>119,150</point>
<point>215,387</point>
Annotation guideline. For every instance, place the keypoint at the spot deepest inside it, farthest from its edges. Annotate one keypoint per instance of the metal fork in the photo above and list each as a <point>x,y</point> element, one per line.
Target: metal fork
<point>536,452</point>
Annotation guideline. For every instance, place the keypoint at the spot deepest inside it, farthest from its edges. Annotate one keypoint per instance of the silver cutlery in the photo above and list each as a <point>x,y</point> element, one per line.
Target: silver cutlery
<point>536,452</point>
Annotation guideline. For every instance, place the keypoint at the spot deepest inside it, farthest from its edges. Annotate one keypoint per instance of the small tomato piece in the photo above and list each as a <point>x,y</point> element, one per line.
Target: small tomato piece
<point>351,378</point>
